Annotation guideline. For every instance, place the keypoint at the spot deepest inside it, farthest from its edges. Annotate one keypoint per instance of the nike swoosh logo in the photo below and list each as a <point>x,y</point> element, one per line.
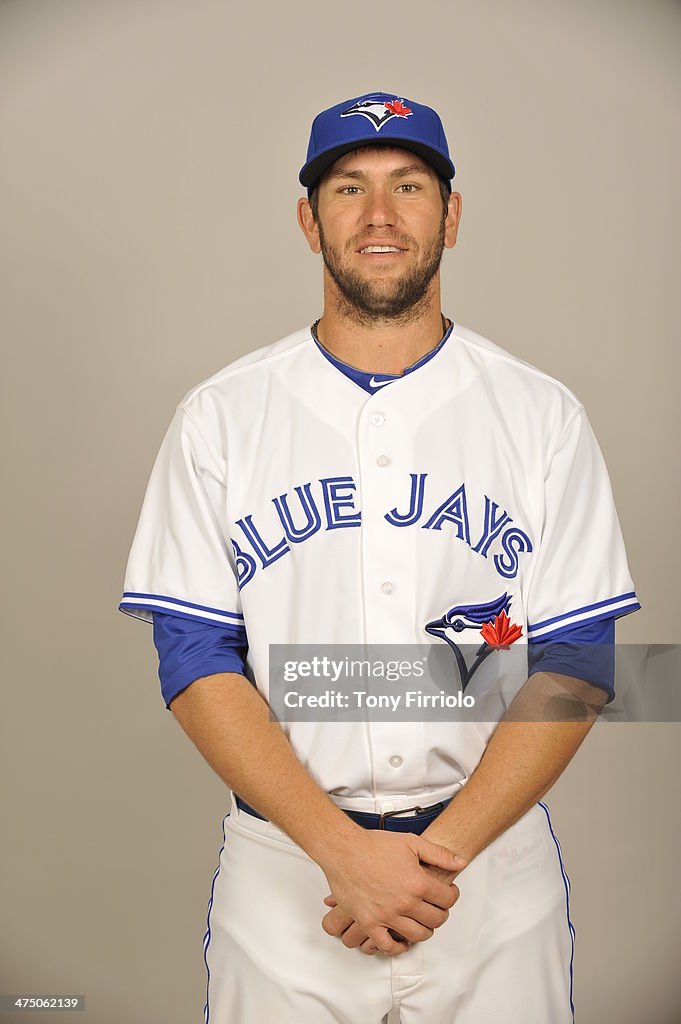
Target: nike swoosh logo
<point>373,383</point>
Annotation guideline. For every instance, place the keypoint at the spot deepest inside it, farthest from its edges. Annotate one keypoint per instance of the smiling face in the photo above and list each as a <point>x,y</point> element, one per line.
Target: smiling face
<point>381,229</point>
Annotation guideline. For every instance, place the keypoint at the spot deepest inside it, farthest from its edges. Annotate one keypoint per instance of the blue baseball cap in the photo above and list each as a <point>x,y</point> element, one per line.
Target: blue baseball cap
<point>370,119</point>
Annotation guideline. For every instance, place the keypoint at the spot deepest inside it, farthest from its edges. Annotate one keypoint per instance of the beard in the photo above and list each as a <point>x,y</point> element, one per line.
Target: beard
<point>369,300</point>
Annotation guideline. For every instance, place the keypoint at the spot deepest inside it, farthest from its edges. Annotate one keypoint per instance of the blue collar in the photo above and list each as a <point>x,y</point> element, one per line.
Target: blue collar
<point>373,382</point>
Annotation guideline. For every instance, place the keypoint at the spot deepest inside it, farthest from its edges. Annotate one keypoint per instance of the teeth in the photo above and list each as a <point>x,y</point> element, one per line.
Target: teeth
<point>380,248</point>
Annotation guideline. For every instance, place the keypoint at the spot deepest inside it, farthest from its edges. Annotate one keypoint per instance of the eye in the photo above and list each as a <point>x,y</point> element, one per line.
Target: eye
<point>410,186</point>
<point>349,189</point>
<point>458,625</point>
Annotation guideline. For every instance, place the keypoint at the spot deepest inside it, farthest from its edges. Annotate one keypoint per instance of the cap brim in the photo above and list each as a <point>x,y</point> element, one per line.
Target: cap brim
<point>312,171</point>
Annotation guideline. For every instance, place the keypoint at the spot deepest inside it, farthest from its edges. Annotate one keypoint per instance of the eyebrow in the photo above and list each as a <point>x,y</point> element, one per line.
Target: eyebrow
<point>399,172</point>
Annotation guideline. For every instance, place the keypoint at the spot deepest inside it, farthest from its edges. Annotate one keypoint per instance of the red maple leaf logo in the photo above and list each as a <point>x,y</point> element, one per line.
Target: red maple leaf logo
<point>501,633</point>
<point>398,107</point>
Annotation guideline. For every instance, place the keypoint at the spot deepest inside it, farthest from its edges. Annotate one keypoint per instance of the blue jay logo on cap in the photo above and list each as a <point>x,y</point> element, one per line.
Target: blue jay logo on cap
<point>378,112</point>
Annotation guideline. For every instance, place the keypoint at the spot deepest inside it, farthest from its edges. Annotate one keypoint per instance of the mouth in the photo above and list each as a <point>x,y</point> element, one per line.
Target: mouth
<point>380,250</point>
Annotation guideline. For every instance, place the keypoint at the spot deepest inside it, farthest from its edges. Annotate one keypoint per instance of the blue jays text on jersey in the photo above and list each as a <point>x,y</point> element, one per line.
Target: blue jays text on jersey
<point>493,528</point>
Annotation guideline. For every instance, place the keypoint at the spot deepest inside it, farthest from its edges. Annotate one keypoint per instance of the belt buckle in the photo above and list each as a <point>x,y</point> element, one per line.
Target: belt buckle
<point>407,810</point>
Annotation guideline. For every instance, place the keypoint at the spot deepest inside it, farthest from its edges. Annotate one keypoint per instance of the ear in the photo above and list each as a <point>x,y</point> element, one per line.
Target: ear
<point>308,225</point>
<point>453,219</point>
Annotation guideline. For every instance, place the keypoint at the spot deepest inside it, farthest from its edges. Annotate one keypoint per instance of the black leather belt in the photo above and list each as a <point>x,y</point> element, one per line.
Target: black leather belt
<point>418,818</point>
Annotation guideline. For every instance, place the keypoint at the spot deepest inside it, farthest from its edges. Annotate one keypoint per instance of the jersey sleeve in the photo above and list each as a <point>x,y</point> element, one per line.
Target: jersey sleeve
<point>181,560</point>
<point>580,573</point>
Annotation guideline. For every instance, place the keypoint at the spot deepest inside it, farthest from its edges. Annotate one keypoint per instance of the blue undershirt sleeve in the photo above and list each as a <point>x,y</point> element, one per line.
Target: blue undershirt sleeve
<point>189,649</point>
<point>586,652</point>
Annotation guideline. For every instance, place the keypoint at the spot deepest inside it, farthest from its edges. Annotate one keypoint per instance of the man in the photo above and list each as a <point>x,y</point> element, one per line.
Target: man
<point>383,477</point>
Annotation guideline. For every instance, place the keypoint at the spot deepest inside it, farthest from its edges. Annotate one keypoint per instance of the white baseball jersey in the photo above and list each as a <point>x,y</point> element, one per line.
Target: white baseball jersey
<point>288,500</point>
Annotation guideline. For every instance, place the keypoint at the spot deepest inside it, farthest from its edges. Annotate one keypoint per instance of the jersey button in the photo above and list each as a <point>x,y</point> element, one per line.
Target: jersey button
<point>377,419</point>
<point>395,761</point>
<point>383,460</point>
<point>387,587</point>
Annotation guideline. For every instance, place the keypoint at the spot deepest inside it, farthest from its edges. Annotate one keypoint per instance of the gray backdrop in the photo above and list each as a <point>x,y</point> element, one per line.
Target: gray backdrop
<point>148,181</point>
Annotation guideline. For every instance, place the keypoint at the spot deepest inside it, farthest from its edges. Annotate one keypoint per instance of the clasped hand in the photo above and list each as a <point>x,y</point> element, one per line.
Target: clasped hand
<point>388,890</point>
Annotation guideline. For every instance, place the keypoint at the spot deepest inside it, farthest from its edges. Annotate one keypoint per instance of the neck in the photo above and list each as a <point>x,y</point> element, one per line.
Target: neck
<point>380,345</point>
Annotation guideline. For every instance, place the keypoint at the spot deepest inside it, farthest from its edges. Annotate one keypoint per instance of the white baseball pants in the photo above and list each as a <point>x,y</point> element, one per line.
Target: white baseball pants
<point>504,955</point>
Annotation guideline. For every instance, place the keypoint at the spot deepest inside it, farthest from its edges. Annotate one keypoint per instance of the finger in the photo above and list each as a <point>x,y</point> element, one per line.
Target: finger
<point>338,914</point>
<point>411,930</point>
<point>330,901</point>
<point>439,894</point>
<point>439,856</point>
<point>369,947</point>
<point>354,936</point>
<point>385,943</point>
<point>336,922</point>
<point>428,914</point>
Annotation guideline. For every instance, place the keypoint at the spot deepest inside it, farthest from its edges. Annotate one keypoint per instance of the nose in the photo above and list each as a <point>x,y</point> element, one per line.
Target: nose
<point>379,209</point>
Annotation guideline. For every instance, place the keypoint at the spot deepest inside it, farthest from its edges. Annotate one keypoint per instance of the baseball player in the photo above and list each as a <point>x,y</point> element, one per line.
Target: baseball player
<point>384,476</point>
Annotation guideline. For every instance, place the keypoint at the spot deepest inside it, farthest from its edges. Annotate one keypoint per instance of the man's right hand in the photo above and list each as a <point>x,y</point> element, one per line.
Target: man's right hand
<point>378,880</point>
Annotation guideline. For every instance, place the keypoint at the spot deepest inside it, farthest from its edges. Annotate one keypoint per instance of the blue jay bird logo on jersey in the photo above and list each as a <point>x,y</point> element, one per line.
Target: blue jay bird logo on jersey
<point>490,619</point>
<point>378,112</point>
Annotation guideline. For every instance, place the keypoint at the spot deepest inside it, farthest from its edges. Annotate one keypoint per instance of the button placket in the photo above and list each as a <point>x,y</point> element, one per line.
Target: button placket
<point>381,448</point>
